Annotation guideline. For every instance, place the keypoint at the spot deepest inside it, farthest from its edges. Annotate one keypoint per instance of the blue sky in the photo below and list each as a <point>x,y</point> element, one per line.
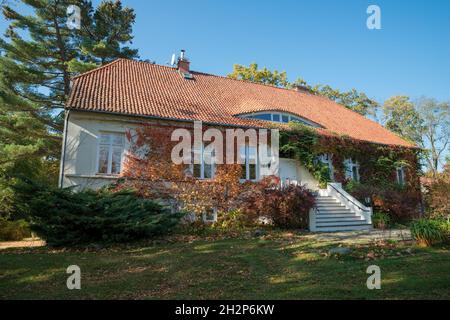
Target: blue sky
<point>322,41</point>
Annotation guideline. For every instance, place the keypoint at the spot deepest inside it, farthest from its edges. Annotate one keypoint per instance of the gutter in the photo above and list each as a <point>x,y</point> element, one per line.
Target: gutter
<point>63,150</point>
<point>170,119</point>
<point>228,125</point>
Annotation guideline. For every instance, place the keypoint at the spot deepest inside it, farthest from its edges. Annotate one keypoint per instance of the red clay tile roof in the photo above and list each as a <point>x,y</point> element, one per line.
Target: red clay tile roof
<point>144,89</point>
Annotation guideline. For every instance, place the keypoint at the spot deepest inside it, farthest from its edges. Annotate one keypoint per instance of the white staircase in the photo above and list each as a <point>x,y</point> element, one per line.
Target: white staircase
<point>336,210</point>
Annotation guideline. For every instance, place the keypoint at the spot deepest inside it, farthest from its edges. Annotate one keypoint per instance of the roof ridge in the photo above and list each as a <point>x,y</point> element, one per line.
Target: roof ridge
<point>97,69</point>
<point>213,75</point>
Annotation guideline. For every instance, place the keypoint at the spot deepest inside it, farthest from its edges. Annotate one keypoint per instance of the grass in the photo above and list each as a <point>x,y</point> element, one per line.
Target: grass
<point>282,267</point>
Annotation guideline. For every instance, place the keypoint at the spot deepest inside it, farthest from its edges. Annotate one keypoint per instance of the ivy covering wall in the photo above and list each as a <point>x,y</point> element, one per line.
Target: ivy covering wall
<point>377,168</point>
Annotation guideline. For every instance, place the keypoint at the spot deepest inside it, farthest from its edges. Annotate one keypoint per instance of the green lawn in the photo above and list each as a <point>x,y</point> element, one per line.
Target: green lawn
<point>283,267</point>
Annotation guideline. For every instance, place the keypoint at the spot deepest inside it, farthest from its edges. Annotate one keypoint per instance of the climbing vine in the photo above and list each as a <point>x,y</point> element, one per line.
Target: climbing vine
<point>377,167</point>
<point>302,143</point>
<point>154,175</point>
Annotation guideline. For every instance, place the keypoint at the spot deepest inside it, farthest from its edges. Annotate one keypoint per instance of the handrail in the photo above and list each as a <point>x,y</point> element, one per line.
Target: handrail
<point>349,199</point>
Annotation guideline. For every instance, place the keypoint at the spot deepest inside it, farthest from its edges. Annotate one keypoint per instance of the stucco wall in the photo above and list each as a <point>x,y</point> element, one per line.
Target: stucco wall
<point>79,165</point>
<point>307,178</point>
<point>81,150</point>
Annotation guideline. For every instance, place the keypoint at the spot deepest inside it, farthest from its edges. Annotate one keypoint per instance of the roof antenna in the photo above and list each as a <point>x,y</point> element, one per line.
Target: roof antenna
<point>172,62</point>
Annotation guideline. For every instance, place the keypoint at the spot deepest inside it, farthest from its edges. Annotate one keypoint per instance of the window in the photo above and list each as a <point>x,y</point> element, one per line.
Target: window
<point>110,152</point>
<point>210,215</point>
<point>206,168</point>
<point>263,116</point>
<point>401,177</point>
<point>276,118</point>
<point>352,170</point>
<point>279,117</point>
<point>327,159</point>
<point>248,158</point>
<point>265,164</point>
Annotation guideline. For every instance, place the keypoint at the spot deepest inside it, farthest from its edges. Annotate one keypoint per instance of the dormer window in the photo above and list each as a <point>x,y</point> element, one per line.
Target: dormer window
<point>279,117</point>
<point>262,116</point>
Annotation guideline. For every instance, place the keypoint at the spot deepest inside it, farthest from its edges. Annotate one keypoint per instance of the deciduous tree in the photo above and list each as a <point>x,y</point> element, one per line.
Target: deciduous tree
<point>425,122</point>
<point>353,99</point>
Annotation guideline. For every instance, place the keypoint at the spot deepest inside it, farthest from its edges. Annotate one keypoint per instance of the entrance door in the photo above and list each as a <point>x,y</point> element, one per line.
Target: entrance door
<point>289,172</point>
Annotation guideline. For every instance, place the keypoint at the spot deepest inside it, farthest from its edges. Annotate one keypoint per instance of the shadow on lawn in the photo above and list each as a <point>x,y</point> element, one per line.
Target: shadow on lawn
<point>225,269</point>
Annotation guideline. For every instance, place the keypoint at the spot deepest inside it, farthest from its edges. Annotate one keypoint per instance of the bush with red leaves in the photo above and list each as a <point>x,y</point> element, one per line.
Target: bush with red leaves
<point>286,207</point>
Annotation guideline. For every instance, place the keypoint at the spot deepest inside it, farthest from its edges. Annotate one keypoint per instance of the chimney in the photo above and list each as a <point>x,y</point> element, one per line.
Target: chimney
<point>183,63</point>
<point>304,89</point>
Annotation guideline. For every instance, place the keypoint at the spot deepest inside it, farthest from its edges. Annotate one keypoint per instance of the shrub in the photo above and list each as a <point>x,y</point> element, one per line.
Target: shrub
<point>400,204</point>
<point>381,220</point>
<point>233,219</point>
<point>64,217</point>
<point>437,194</point>
<point>13,230</point>
<point>287,207</point>
<point>428,231</point>
<point>446,229</point>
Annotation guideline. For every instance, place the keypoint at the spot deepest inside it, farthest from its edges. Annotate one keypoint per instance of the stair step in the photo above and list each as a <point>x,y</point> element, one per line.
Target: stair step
<point>334,211</point>
<point>333,216</point>
<point>334,205</point>
<point>336,216</point>
<point>328,203</point>
<point>339,218</point>
<point>337,209</point>
<point>340,223</point>
<point>322,203</point>
<point>344,228</point>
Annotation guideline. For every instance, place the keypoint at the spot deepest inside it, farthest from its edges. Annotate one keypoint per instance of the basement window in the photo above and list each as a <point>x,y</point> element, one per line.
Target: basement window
<point>210,215</point>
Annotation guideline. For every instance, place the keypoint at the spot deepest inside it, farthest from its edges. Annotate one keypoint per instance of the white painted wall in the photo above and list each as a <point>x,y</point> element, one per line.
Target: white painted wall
<point>80,161</point>
<point>81,150</point>
<point>294,171</point>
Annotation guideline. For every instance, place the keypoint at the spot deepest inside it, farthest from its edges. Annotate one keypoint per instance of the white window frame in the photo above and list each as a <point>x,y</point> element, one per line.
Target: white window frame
<point>401,182</point>
<point>349,165</point>
<point>202,164</point>
<point>264,170</point>
<point>247,163</point>
<point>110,153</point>
<point>214,219</point>
<point>327,159</point>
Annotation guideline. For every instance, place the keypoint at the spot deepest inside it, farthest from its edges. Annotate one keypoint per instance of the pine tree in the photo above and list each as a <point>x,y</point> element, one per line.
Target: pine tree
<point>103,36</point>
<point>39,54</point>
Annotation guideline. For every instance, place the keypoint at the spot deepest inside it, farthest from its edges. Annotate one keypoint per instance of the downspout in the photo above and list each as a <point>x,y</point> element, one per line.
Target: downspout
<point>63,151</point>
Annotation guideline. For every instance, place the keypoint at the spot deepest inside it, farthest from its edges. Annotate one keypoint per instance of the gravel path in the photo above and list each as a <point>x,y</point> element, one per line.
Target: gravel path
<point>26,243</point>
<point>366,236</point>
